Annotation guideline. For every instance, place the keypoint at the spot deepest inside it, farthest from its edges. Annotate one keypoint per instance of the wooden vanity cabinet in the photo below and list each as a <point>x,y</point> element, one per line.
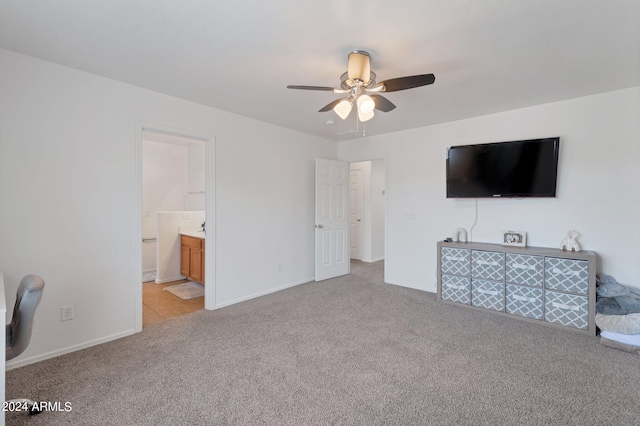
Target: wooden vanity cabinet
<point>192,258</point>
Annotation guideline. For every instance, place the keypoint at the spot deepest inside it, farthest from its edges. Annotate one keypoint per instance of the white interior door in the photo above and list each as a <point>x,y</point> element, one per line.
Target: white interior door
<point>356,201</point>
<point>332,219</point>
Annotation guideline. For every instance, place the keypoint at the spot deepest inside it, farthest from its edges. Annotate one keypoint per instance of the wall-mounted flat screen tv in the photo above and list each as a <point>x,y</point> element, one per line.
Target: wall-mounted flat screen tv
<point>517,169</point>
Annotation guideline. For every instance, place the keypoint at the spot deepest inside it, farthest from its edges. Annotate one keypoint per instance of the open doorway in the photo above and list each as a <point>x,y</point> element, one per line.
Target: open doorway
<point>173,206</point>
<point>367,210</point>
<point>177,212</point>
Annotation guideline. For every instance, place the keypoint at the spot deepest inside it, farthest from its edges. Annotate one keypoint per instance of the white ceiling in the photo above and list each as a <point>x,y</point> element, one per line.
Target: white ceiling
<point>239,56</point>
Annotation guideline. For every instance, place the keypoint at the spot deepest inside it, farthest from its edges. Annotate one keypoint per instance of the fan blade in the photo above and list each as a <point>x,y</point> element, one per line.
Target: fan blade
<point>409,82</point>
<point>382,103</point>
<point>330,106</point>
<point>326,89</point>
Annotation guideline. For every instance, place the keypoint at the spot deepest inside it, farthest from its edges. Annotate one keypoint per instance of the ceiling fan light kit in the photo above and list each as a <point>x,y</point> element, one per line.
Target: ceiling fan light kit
<point>358,80</point>
<point>343,108</point>
<point>365,104</point>
<point>365,116</point>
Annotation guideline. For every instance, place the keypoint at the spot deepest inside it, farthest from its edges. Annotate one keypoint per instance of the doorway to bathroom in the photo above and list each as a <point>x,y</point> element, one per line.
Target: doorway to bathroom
<point>176,183</point>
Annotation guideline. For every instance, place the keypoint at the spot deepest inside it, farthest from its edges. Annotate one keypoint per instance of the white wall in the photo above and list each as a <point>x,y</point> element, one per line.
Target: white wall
<point>68,207</point>
<point>195,177</point>
<point>597,192</point>
<point>164,187</point>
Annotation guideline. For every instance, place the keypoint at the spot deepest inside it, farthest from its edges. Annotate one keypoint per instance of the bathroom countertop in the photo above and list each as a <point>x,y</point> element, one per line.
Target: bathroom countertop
<point>195,233</point>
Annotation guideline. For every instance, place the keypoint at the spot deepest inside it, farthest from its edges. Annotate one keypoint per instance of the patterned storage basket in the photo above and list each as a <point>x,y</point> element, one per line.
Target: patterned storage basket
<point>524,301</point>
<point>488,265</point>
<point>566,309</point>
<point>487,294</point>
<point>456,289</point>
<point>455,261</point>
<point>524,269</point>
<point>567,275</point>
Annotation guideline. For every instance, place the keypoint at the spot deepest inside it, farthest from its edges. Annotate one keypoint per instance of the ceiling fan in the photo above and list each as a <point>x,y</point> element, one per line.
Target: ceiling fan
<point>359,81</point>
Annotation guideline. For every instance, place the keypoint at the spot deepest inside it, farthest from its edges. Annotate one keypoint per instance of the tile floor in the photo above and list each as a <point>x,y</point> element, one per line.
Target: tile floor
<point>159,305</point>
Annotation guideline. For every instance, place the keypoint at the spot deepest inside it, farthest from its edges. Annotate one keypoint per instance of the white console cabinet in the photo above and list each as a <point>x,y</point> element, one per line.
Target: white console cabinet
<point>543,285</point>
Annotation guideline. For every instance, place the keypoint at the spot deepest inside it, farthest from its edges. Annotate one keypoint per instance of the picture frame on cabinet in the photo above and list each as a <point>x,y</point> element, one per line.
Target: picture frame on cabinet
<point>514,238</point>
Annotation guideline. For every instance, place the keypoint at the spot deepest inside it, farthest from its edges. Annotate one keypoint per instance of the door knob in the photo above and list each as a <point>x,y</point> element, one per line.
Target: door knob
<point>358,220</point>
<point>319,226</point>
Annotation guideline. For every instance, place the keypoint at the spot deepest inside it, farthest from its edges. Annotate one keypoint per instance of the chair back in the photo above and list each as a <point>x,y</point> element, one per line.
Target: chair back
<point>19,329</point>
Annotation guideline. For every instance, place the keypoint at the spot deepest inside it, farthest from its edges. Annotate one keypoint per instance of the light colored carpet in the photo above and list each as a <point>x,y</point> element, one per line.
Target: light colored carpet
<point>186,291</point>
<point>346,351</point>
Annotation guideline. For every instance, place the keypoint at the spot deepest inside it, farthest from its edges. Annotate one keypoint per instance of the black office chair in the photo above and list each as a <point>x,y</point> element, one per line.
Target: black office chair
<point>19,329</point>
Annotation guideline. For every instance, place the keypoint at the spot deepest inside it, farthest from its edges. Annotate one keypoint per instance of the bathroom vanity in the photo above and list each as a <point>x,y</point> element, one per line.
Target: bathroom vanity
<point>192,255</point>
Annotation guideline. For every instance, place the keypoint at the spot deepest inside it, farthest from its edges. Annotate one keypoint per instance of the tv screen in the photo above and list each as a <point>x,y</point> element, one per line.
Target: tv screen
<point>516,169</point>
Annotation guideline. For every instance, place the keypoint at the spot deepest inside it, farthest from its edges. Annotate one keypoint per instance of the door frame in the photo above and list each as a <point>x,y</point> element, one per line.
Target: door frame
<point>360,222</point>
<point>210,185</point>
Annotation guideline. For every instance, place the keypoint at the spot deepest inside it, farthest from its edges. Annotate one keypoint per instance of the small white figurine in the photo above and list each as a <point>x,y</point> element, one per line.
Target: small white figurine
<point>569,243</point>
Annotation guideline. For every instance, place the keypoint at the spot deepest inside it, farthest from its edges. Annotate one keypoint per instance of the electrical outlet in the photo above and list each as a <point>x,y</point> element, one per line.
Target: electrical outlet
<point>279,267</point>
<point>66,313</point>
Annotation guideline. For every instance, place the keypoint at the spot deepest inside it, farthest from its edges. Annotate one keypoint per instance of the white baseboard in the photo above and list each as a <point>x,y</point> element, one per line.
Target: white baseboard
<point>264,293</point>
<point>168,280</point>
<point>26,361</point>
<point>148,275</point>
<point>413,287</point>
<point>373,260</point>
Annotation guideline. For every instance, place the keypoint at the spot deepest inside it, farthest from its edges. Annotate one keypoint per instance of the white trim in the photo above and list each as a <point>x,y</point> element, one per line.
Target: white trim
<point>386,213</point>
<point>410,286</point>
<point>137,228</point>
<point>210,186</point>
<point>149,272</point>
<point>264,293</point>
<point>211,225</point>
<point>21,362</point>
<point>373,260</point>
